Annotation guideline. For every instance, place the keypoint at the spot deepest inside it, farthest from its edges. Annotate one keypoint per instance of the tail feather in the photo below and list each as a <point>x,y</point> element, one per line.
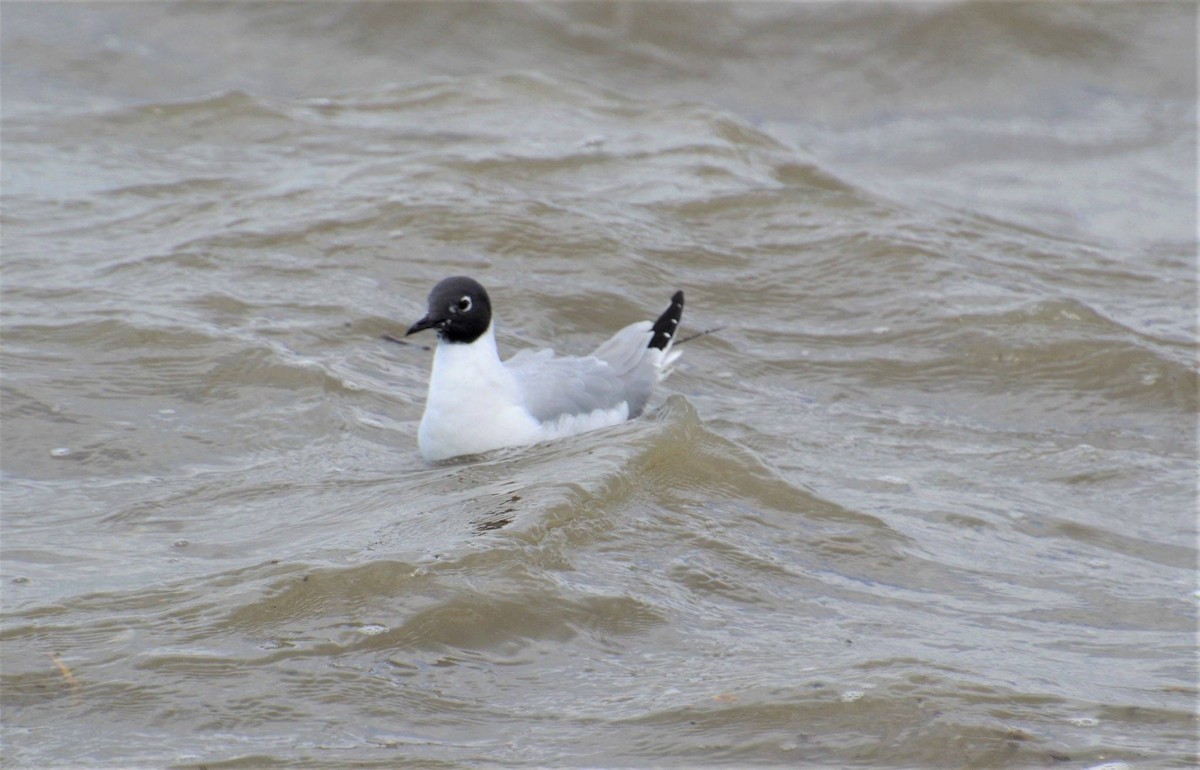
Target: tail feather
<point>663,332</point>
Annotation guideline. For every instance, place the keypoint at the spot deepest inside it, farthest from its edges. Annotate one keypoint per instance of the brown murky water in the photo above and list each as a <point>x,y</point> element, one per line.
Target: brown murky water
<point>927,500</point>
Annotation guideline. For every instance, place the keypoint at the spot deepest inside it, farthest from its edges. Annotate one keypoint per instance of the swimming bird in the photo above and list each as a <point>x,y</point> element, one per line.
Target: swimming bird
<point>477,402</point>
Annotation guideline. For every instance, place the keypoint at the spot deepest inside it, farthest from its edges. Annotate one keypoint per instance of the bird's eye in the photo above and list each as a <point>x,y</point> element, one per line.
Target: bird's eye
<point>464,304</point>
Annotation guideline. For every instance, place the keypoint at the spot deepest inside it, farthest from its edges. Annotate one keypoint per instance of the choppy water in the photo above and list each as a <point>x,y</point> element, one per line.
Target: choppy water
<point>927,500</point>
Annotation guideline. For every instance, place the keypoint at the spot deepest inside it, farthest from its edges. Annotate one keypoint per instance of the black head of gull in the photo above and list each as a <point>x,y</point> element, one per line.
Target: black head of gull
<point>459,309</point>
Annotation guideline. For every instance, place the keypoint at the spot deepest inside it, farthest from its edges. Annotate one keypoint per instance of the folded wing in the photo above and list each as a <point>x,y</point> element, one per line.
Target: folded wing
<point>557,387</point>
<point>623,370</point>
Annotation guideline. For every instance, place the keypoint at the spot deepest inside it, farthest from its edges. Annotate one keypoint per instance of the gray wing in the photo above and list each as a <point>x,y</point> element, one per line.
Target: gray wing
<point>554,387</point>
<point>616,372</point>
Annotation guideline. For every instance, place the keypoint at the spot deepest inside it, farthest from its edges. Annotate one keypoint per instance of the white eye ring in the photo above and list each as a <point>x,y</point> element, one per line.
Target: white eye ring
<point>464,304</point>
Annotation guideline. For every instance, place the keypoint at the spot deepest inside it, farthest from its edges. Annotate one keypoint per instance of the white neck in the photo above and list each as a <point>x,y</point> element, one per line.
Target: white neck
<point>480,357</point>
<point>464,371</point>
<point>474,404</point>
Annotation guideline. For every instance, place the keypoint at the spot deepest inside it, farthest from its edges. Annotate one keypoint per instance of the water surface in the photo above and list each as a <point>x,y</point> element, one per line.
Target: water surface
<point>928,499</point>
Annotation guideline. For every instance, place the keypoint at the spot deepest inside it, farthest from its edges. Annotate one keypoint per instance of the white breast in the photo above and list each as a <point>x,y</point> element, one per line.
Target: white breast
<point>473,405</point>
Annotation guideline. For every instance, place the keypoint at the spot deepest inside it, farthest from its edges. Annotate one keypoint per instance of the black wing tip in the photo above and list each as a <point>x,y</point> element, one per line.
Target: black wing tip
<point>664,328</point>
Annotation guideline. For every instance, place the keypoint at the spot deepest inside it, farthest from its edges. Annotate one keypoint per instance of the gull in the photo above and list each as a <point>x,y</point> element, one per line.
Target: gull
<point>478,403</point>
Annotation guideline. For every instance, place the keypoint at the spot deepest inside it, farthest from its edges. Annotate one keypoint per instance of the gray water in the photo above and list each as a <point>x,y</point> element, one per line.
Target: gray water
<point>926,500</point>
